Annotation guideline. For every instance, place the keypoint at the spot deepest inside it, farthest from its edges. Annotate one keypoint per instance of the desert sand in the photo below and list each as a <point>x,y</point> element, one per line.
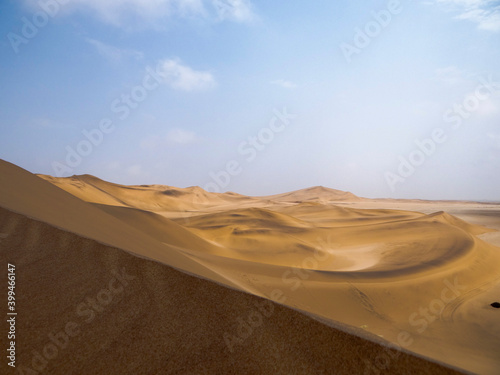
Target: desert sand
<point>163,280</point>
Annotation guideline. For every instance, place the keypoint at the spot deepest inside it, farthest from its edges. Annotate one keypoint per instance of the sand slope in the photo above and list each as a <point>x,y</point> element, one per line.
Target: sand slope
<point>399,273</point>
<point>25,193</point>
<point>159,320</point>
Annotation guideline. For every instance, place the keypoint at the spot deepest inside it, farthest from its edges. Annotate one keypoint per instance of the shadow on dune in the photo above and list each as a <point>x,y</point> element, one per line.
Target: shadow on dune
<point>129,315</point>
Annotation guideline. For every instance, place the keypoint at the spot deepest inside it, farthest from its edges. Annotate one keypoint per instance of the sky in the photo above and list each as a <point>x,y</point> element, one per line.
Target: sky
<point>396,99</point>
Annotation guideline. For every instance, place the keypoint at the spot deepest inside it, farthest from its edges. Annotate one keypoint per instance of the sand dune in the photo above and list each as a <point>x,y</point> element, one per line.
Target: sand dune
<point>404,273</point>
<point>159,320</point>
<point>35,198</point>
<point>146,197</point>
<point>315,194</point>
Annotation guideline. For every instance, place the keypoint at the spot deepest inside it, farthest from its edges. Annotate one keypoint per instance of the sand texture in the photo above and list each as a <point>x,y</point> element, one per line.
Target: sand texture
<point>163,280</point>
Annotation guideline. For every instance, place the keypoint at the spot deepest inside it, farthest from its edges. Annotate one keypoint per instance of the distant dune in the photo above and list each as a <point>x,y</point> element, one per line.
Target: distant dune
<point>345,278</point>
<point>315,194</point>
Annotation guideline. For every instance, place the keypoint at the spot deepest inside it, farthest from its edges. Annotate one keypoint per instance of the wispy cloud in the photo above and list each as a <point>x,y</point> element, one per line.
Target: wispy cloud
<point>451,75</point>
<point>284,83</point>
<point>234,10</point>
<point>121,12</point>
<point>490,107</point>
<point>173,136</point>
<point>182,77</point>
<point>485,13</point>
<point>181,136</point>
<point>112,53</point>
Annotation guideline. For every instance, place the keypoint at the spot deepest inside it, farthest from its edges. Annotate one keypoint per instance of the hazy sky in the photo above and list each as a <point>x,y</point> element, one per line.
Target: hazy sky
<point>380,98</point>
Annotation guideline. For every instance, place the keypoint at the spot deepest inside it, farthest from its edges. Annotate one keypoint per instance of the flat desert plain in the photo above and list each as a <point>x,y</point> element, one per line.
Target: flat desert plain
<point>155,279</point>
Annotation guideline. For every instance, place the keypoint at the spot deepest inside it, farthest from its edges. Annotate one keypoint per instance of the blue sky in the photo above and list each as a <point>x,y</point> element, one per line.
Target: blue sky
<point>381,98</point>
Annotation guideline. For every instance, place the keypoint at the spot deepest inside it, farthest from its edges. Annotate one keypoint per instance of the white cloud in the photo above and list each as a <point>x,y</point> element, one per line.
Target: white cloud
<point>285,84</point>
<point>181,136</point>
<point>114,54</point>
<point>489,107</point>
<point>174,136</point>
<point>182,77</point>
<point>234,10</point>
<point>485,13</point>
<point>122,12</point>
<point>451,75</point>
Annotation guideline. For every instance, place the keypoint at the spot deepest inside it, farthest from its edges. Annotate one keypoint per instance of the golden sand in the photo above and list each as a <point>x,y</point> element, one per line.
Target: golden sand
<point>312,281</point>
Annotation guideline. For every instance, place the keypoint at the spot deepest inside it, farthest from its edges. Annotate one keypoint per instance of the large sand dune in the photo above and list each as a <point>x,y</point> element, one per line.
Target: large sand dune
<point>158,320</point>
<point>407,274</point>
